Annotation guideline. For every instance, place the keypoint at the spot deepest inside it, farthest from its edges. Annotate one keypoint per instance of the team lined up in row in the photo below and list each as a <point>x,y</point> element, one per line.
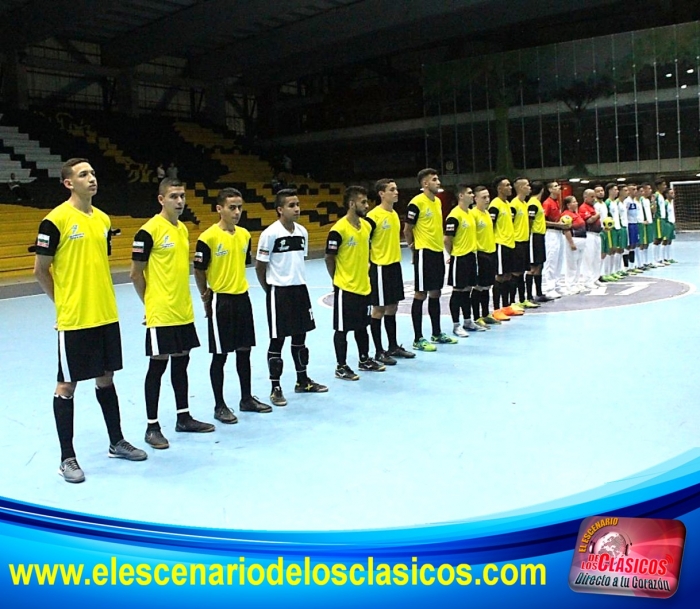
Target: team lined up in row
<point>618,230</point>
<point>72,267</point>
<point>495,247</point>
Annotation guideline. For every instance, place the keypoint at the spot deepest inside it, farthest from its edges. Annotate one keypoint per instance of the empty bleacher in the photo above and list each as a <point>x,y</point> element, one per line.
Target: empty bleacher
<point>125,152</point>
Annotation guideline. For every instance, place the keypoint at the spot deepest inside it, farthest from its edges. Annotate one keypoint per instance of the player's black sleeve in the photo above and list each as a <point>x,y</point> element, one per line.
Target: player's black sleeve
<point>202,255</point>
<point>532,211</point>
<point>412,213</point>
<point>142,246</point>
<point>248,255</point>
<point>451,225</point>
<point>333,242</point>
<point>372,226</point>
<point>47,239</point>
<point>513,212</point>
<point>493,212</point>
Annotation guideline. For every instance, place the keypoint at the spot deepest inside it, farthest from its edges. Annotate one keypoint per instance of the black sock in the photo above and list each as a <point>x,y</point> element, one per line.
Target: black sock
<point>454,306</point>
<point>528,285</point>
<point>484,303</point>
<point>465,304</point>
<point>180,383</point>
<point>476,301</point>
<point>340,343</point>
<point>512,289</point>
<point>299,343</point>
<point>390,325</point>
<point>375,326</point>
<point>362,341</point>
<point>496,289</point>
<point>538,285</point>
<point>434,312</point>
<point>216,374</point>
<point>274,351</point>
<point>156,368</point>
<point>63,413</point>
<point>417,318</point>
<point>626,260</point>
<point>505,293</point>
<point>632,256</point>
<point>243,369</point>
<point>520,282</point>
<point>107,397</point>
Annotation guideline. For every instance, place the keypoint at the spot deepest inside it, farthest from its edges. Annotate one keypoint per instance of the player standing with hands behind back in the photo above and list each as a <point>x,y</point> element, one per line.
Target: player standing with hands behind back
<point>72,268</point>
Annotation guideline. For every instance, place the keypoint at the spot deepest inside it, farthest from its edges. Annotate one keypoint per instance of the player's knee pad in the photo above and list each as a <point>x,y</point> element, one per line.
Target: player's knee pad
<point>304,356</point>
<point>275,365</point>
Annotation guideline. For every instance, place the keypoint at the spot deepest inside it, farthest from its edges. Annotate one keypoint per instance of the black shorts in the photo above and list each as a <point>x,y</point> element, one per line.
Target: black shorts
<point>429,269</point>
<point>350,311</point>
<point>462,272</point>
<point>504,259</point>
<point>231,324</point>
<point>89,354</point>
<point>387,284</point>
<point>486,269</point>
<point>538,252</point>
<point>171,340</point>
<point>521,256</point>
<point>289,311</point>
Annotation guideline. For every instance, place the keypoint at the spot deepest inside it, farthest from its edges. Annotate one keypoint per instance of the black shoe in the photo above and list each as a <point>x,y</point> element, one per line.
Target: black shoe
<point>370,365</point>
<point>223,413</point>
<point>310,387</point>
<point>383,357</point>
<point>277,397</point>
<point>155,439</point>
<point>401,352</point>
<point>194,426</point>
<point>253,404</point>
<point>346,373</point>
<point>543,298</point>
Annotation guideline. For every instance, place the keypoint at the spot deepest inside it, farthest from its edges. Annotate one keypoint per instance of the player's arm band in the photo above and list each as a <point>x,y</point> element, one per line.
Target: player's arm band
<point>412,214</point>
<point>47,239</point>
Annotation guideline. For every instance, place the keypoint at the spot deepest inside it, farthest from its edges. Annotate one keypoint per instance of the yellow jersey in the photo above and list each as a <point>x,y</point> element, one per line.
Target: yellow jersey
<point>350,246</point>
<point>426,218</point>
<point>503,223</point>
<point>485,240</point>
<point>223,256</point>
<point>386,236</point>
<point>79,243</point>
<point>166,248</point>
<point>536,214</point>
<point>521,223</point>
<point>461,226</point>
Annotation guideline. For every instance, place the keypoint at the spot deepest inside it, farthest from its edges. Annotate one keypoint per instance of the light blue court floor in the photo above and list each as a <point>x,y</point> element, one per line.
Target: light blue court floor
<point>587,392</point>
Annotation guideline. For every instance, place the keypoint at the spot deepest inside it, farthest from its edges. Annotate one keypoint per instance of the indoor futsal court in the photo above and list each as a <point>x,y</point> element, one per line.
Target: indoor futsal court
<point>587,396</point>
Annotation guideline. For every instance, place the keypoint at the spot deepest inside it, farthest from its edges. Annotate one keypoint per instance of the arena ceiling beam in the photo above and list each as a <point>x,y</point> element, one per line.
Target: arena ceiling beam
<point>35,21</point>
<point>195,26</point>
<point>367,30</point>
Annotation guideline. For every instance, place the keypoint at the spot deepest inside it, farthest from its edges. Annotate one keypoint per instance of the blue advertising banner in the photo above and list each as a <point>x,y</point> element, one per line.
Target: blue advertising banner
<point>54,556</point>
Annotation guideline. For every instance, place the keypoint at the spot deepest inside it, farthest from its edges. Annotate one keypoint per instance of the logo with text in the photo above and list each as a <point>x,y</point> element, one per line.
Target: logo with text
<point>628,556</point>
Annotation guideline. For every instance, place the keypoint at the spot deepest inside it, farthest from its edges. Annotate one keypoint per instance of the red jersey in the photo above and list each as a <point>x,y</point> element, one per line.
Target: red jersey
<point>587,211</point>
<point>552,211</point>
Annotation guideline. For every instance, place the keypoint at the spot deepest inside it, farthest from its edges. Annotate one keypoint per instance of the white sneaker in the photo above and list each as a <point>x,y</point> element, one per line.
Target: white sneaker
<point>457,330</point>
<point>553,295</point>
<point>469,324</point>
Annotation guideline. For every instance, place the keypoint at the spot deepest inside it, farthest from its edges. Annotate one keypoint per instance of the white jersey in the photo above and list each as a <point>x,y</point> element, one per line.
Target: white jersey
<point>671,211</point>
<point>615,213</point>
<point>645,216</point>
<point>622,211</point>
<point>284,253</point>
<point>601,209</point>
<point>661,205</point>
<point>632,206</point>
